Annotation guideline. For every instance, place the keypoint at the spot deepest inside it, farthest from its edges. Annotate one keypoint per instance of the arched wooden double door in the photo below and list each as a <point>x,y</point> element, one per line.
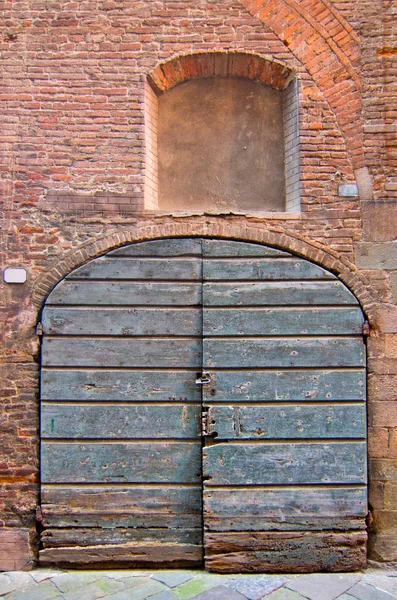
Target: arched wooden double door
<point>200,399</point>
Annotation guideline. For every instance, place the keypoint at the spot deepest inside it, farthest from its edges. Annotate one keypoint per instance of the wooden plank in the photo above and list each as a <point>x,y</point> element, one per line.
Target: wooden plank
<point>281,386</point>
<point>165,247</point>
<point>120,422</point>
<point>226,248</point>
<point>285,552</point>
<point>284,352</point>
<point>176,507</point>
<point>93,352</point>
<point>291,464</point>
<point>119,321</point>
<point>145,462</point>
<point>287,422</point>
<point>63,538</point>
<point>276,293</point>
<point>121,293</point>
<point>284,509</point>
<point>262,269</point>
<point>140,268</point>
<point>125,386</point>
<point>130,555</point>
<point>284,321</point>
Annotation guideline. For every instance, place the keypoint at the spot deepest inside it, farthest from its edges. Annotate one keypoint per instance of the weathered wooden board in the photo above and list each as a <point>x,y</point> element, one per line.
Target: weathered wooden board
<point>140,268</point>
<point>94,352</point>
<point>121,321</point>
<point>226,248</point>
<point>283,463</point>
<point>284,352</point>
<point>265,509</point>
<point>165,247</point>
<point>124,293</point>
<point>63,538</point>
<point>144,462</point>
<point>122,506</point>
<point>287,552</point>
<point>277,293</point>
<point>260,269</point>
<point>287,422</point>
<point>129,555</point>
<point>121,422</point>
<point>280,386</point>
<point>125,386</point>
<point>282,321</point>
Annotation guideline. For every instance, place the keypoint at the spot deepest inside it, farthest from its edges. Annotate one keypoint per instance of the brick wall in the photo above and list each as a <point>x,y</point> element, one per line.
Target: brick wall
<point>76,172</point>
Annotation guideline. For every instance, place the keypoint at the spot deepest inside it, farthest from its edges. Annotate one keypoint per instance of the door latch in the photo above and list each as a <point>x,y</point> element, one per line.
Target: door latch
<point>205,422</point>
<point>203,379</point>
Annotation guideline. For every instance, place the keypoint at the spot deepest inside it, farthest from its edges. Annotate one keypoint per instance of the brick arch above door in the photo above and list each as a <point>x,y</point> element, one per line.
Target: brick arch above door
<point>214,227</point>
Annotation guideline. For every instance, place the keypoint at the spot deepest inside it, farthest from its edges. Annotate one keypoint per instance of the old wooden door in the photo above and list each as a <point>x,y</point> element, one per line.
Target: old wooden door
<point>125,338</point>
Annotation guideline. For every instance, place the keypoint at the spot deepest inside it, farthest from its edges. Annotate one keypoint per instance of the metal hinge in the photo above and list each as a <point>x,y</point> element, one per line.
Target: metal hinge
<point>39,515</point>
<point>39,329</point>
<point>366,328</point>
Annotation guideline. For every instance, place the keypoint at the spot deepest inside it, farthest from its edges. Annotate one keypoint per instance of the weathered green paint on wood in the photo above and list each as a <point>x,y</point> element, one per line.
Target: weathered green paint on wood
<point>121,321</point>
<point>287,321</point>
<point>287,422</point>
<point>118,337</point>
<point>253,509</point>
<point>262,269</point>
<point>122,506</point>
<point>277,293</point>
<point>91,352</point>
<point>166,247</point>
<point>286,352</point>
<point>144,462</point>
<point>124,293</point>
<point>280,386</point>
<point>140,268</point>
<point>272,464</point>
<point>121,422</point>
<point>124,386</point>
<point>225,248</point>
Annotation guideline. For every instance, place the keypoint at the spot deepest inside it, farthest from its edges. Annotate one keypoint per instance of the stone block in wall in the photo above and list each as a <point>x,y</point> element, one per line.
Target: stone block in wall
<point>383,548</point>
<point>15,551</point>
<point>383,469</point>
<point>390,496</point>
<point>378,442</point>
<point>383,414</point>
<point>393,287</point>
<point>382,255</point>
<point>379,220</point>
<point>382,387</point>
<point>385,319</point>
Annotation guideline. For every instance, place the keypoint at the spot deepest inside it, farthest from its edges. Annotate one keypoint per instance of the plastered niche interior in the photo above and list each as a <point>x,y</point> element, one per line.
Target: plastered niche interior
<point>221,147</point>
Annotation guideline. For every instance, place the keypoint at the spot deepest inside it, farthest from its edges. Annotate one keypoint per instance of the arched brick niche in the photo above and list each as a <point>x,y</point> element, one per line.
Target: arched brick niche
<point>222,134</point>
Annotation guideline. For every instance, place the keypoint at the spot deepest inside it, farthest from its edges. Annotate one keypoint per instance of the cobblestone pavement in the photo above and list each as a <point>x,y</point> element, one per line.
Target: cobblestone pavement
<point>56,584</point>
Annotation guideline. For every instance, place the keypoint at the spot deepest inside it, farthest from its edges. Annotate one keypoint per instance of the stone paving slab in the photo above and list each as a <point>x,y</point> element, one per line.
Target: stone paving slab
<point>57,584</point>
<point>363,591</point>
<point>256,587</point>
<point>323,586</point>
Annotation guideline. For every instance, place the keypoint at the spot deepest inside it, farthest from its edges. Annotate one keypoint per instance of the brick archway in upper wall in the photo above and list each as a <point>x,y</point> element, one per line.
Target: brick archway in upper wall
<point>214,63</point>
<point>327,46</point>
<point>320,39</point>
